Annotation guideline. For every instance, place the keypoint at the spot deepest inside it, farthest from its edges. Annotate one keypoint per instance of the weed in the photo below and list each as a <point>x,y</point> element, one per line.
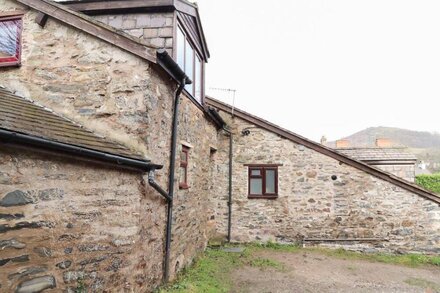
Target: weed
<point>265,263</point>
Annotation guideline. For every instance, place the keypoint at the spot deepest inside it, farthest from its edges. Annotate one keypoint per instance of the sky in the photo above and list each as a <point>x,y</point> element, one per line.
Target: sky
<point>328,68</point>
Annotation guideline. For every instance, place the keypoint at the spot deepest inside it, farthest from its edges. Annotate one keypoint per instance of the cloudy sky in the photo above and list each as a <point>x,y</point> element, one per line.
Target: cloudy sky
<point>330,67</point>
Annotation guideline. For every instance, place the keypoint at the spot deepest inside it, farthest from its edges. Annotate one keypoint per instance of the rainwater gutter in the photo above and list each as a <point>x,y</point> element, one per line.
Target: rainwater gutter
<point>172,68</point>
<point>8,136</point>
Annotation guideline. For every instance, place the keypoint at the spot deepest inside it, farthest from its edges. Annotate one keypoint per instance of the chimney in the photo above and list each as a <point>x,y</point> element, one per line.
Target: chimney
<point>383,143</point>
<point>324,140</point>
<point>342,143</point>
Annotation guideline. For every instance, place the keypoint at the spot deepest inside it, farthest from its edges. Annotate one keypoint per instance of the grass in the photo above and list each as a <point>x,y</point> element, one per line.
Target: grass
<point>422,283</point>
<point>410,260</point>
<point>212,271</point>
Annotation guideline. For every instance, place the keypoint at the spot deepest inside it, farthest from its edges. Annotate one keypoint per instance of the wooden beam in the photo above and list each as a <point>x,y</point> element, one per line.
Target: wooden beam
<point>86,24</point>
<point>41,19</point>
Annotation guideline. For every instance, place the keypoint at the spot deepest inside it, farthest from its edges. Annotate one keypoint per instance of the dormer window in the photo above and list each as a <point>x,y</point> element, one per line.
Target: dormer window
<point>191,62</point>
<point>10,40</point>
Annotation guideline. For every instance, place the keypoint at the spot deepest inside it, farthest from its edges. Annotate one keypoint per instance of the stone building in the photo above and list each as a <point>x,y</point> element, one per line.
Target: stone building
<point>289,189</point>
<point>385,156</point>
<point>114,168</point>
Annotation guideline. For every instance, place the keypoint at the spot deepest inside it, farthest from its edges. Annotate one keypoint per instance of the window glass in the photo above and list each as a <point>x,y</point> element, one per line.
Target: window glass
<point>189,66</point>
<point>183,156</point>
<point>256,172</point>
<point>10,47</point>
<point>198,80</point>
<point>270,181</point>
<point>182,175</point>
<point>180,48</point>
<point>8,38</point>
<point>263,181</point>
<point>256,186</point>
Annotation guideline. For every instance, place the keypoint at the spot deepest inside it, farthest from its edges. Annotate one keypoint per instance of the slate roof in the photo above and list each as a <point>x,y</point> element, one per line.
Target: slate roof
<point>23,116</point>
<point>378,154</point>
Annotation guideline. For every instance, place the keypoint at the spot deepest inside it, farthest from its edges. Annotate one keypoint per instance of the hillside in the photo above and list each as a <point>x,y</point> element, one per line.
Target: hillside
<point>425,145</point>
<point>403,137</point>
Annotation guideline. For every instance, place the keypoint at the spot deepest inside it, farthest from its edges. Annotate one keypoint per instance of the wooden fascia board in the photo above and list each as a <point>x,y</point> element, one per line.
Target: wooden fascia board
<point>186,8</point>
<point>92,27</point>
<point>202,36</point>
<point>324,150</point>
<point>94,7</point>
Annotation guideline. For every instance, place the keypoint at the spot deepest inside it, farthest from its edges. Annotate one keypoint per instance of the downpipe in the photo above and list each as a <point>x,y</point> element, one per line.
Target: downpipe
<point>230,183</point>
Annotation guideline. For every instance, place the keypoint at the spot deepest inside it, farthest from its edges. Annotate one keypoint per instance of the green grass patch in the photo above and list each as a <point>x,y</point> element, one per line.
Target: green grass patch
<point>265,263</point>
<point>410,260</point>
<point>210,273</point>
<point>430,182</point>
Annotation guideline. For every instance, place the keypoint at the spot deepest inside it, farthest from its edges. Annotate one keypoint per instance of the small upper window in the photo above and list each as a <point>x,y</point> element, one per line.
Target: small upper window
<point>191,63</point>
<point>184,156</point>
<point>10,40</point>
<point>263,181</point>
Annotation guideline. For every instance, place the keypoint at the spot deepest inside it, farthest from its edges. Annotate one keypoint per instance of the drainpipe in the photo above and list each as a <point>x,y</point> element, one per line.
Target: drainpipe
<point>229,133</point>
<point>230,183</point>
<point>170,66</point>
<point>171,179</point>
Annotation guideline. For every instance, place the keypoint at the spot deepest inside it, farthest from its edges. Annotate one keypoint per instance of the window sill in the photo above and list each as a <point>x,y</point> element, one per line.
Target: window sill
<point>183,186</point>
<point>262,196</point>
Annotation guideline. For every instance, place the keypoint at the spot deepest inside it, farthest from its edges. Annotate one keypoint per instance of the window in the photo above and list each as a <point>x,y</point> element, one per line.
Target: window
<point>10,40</point>
<point>191,63</point>
<point>263,181</point>
<point>184,156</point>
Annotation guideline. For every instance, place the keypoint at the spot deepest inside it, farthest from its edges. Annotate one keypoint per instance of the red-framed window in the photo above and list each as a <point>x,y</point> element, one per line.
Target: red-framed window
<point>10,40</point>
<point>184,158</point>
<point>263,181</point>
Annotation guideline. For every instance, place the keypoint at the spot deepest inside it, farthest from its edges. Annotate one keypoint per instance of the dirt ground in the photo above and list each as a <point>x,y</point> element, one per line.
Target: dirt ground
<point>314,272</point>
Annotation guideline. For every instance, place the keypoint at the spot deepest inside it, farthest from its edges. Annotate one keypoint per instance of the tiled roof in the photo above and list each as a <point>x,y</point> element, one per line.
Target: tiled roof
<point>23,116</point>
<point>378,154</point>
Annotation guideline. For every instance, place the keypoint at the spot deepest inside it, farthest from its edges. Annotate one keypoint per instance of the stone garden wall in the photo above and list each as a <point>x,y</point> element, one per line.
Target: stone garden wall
<point>312,206</point>
<point>125,99</point>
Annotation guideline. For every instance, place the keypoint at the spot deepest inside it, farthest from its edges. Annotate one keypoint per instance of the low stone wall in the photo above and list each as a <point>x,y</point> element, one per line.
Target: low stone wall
<point>311,206</point>
<point>67,225</point>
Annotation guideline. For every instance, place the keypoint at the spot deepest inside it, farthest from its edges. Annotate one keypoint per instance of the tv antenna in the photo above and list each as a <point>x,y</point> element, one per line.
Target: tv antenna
<point>233,91</point>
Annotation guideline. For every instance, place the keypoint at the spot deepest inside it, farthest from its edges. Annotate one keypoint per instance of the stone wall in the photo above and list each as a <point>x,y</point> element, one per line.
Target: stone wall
<point>312,206</point>
<point>156,29</point>
<point>126,99</point>
<point>407,172</point>
<point>76,224</point>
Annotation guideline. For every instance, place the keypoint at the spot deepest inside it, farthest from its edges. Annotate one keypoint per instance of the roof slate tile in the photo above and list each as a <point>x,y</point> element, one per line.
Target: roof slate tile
<point>23,116</point>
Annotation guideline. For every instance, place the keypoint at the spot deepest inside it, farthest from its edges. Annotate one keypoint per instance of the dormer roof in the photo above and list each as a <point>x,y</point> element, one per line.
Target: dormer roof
<point>187,13</point>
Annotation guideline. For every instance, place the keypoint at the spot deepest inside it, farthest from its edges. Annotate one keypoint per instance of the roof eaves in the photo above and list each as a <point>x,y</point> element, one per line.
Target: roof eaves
<point>93,27</point>
<point>376,172</point>
<point>64,148</point>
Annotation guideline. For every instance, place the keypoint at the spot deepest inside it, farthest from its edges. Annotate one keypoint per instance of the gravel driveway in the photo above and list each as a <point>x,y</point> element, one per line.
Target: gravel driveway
<point>313,272</point>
